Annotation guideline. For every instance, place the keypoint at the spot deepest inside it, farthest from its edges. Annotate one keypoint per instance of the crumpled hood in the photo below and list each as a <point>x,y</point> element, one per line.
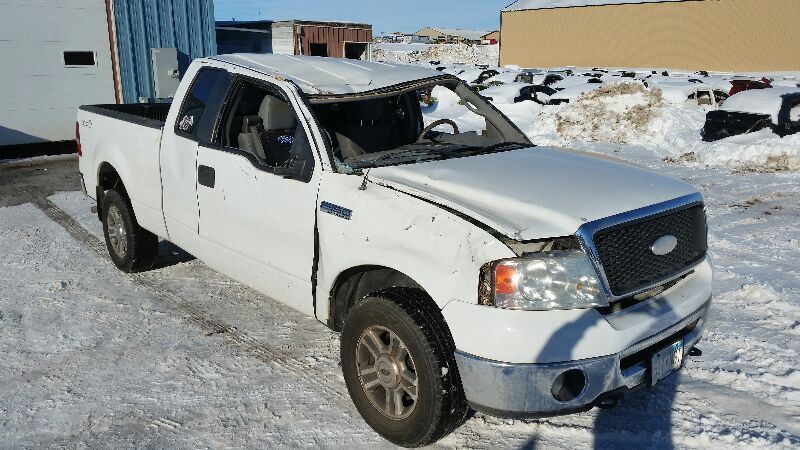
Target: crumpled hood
<point>533,193</point>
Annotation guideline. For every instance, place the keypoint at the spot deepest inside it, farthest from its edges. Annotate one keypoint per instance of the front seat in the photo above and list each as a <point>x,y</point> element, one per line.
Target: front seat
<point>279,123</point>
<point>250,138</point>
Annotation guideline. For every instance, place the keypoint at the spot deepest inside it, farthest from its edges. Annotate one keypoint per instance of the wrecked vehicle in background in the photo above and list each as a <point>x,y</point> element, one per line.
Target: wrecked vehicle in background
<point>477,76</point>
<point>776,108</point>
<point>463,269</point>
<point>741,85</point>
<point>686,93</point>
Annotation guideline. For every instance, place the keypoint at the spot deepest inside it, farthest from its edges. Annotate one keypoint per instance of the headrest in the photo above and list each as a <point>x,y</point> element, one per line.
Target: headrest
<point>276,114</point>
<point>249,122</point>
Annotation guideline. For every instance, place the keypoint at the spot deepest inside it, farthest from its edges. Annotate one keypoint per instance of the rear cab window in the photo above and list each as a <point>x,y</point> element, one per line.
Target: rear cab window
<point>202,104</point>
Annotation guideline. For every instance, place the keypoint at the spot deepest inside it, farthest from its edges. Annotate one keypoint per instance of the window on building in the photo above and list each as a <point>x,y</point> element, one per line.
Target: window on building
<point>318,49</point>
<point>356,50</point>
<point>79,59</point>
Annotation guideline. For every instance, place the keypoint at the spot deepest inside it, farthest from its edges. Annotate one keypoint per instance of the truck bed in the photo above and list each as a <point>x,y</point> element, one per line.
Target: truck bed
<point>148,114</point>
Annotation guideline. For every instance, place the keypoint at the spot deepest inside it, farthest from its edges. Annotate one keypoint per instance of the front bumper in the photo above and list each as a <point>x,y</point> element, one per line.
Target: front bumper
<point>524,390</point>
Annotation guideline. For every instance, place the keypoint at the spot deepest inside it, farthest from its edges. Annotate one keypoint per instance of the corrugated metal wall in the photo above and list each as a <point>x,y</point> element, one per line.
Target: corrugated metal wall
<point>334,37</point>
<point>724,35</point>
<point>140,25</point>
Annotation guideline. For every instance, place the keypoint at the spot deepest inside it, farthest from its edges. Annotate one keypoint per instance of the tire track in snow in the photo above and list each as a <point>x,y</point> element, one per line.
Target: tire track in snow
<point>196,314</point>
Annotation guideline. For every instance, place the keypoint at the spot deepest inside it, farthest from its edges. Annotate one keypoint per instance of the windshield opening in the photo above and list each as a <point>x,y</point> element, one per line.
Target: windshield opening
<point>439,120</point>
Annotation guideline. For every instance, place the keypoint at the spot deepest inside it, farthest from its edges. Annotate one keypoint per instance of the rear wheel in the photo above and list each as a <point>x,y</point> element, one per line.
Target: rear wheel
<point>131,247</point>
<point>399,367</point>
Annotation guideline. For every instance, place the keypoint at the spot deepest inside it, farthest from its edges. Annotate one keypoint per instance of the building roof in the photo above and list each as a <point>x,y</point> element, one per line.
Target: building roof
<point>470,35</point>
<point>344,23</point>
<point>550,4</point>
<point>330,76</point>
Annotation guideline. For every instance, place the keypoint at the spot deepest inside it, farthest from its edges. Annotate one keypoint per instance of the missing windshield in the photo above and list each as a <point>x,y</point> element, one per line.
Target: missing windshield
<point>413,123</point>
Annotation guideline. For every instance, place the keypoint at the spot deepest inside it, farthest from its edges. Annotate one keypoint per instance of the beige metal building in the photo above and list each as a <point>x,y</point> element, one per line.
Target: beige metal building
<point>720,35</point>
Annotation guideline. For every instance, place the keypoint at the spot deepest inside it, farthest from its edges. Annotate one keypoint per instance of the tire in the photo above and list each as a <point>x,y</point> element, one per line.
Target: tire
<point>414,322</point>
<point>131,247</point>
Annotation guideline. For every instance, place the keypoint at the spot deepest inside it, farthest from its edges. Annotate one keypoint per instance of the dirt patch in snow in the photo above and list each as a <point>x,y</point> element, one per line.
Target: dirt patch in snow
<point>616,113</point>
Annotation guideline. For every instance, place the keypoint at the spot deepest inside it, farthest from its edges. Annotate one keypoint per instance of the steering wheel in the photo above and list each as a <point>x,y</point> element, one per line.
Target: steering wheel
<point>430,127</point>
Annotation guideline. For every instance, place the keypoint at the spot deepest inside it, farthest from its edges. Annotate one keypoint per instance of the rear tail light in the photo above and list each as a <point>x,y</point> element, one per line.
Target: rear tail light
<point>78,138</point>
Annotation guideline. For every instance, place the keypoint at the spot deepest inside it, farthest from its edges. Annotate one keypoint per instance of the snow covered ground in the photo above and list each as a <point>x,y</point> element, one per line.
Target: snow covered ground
<point>182,357</point>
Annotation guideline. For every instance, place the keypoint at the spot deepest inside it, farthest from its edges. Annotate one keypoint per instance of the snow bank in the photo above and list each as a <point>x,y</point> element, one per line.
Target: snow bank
<point>628,114</point>
<point>761,152</point>
<point>621,113</point>
<point>445,53</point>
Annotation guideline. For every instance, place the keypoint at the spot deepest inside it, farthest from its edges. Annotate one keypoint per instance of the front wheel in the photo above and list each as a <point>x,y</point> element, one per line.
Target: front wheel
<point>399,367</point>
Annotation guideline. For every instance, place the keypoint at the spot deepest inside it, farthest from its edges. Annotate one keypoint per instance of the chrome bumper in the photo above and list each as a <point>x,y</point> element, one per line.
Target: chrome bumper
<point>524,390</point>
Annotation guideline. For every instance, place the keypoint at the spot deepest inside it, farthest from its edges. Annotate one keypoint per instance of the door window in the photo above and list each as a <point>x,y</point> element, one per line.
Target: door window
<point>262,125</point>
<point>207,84</point>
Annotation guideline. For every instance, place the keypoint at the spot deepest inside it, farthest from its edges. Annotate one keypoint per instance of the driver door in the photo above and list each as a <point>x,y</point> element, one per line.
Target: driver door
<point>257,214</point>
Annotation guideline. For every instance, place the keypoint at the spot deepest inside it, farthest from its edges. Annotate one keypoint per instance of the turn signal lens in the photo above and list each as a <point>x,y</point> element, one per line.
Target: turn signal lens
<point>505,279</point>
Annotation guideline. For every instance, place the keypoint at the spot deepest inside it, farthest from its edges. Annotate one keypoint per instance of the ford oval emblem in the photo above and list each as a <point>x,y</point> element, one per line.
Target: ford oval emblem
<point>664,245</point>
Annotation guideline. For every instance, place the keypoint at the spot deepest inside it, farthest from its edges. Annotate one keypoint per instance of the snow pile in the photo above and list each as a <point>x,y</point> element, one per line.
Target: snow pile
<point>762,151</point>
<point>628,114</point>
<point>445,53</point>
<point>619,113</point>
<point>625,113</point>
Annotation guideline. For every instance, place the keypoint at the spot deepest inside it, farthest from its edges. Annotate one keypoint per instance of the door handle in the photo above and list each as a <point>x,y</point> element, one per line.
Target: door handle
<point>206,176</point>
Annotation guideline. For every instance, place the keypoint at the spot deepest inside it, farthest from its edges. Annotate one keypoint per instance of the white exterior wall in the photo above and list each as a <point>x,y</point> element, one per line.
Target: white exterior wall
<point>39,96</point>
<point>283,38</point>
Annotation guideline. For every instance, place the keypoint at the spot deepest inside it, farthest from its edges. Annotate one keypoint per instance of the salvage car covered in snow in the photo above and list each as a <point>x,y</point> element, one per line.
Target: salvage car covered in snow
<point>463,269</point>
<point>775,108</point>
<point>691,94</point>
<point>516,92</point>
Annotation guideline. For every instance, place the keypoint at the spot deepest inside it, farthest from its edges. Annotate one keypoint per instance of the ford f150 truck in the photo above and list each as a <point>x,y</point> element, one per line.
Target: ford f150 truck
<point>464,269</point>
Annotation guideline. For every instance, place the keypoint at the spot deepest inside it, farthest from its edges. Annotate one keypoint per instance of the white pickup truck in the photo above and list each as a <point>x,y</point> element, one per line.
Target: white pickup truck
<point>463,269</point>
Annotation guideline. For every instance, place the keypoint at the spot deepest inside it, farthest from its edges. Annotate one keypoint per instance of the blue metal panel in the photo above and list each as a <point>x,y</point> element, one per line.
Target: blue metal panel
<point>187,25</point>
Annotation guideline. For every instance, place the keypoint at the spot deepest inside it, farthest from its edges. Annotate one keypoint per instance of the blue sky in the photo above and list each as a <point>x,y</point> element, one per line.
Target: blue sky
<point>385,15</point>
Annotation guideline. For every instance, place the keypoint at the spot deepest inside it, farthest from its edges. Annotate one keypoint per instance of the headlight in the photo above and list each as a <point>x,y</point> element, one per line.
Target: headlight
<point>553,280</point>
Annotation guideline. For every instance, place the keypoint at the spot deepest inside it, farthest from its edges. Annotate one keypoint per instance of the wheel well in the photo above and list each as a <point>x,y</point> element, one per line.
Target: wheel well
<point>356,283</point>
<point>107,178</point>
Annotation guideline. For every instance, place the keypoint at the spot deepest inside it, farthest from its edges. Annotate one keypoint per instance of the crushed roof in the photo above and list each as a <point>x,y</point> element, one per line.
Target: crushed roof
<point>330,76</point>
<point>520,5</point>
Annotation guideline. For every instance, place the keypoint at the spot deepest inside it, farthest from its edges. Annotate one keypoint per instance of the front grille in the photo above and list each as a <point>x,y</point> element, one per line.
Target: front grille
<point>629,263</point>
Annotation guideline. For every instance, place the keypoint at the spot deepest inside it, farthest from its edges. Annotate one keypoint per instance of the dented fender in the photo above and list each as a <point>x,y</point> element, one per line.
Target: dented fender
<point>365,224</point>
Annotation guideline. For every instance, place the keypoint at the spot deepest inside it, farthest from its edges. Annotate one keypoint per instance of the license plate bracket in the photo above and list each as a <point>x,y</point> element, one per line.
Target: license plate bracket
<point>665,362</point>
